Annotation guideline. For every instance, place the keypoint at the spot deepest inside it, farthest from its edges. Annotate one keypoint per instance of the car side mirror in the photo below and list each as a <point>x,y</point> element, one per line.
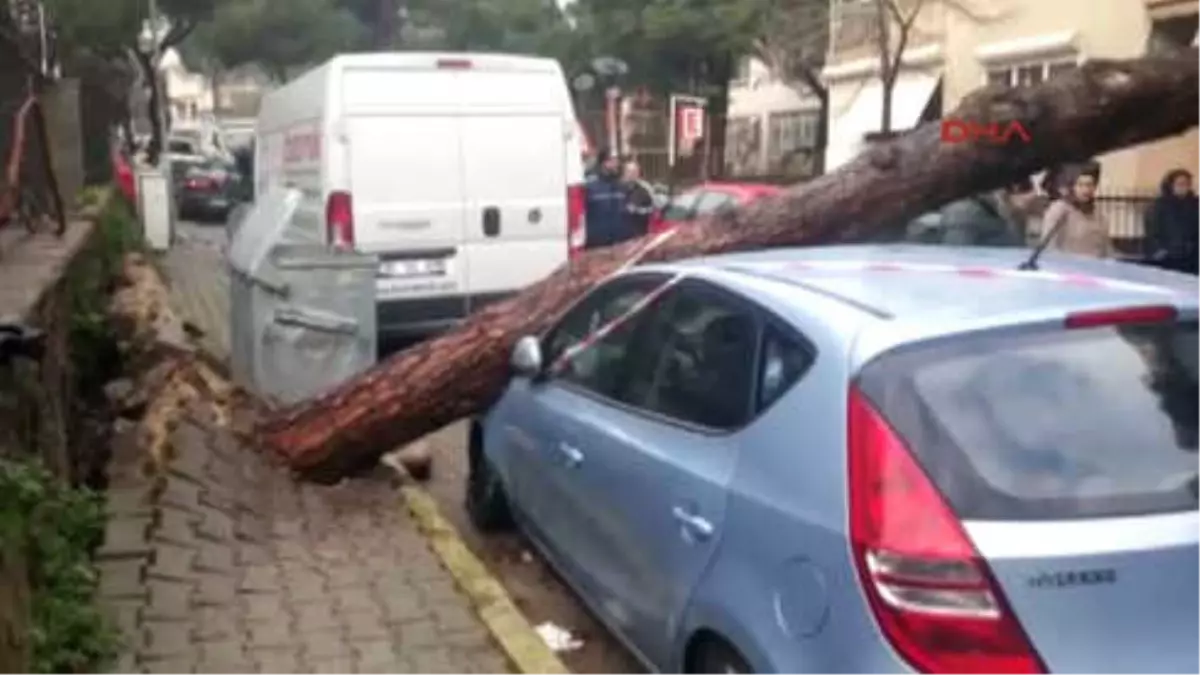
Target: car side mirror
<point>526,359</point>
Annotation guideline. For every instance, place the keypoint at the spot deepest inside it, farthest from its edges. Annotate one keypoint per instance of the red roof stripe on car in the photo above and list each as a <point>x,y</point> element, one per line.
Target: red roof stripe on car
<point>966,271</point>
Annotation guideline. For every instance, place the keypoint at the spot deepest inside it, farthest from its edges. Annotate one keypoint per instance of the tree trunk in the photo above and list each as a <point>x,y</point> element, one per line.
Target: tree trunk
<point>153,106</point>
<point>384,37</point>
<point>1103,106</point>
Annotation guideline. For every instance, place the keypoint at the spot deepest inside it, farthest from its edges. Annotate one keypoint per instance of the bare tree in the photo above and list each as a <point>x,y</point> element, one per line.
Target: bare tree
<point>793,44</point>
<point>892,29</point>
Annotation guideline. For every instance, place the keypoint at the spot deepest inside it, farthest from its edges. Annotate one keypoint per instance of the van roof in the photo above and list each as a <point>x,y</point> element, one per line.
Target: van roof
<point>434,60</point>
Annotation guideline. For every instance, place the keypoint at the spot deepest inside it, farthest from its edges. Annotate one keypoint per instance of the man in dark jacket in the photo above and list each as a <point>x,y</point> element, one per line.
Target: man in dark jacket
<point>639,200</point>
<point>606,221</point>
<point>1173,224</point>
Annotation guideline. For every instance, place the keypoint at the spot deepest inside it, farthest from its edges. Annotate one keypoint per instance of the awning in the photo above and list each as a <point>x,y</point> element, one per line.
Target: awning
<point>1159,10</point>
<point>849,127</point>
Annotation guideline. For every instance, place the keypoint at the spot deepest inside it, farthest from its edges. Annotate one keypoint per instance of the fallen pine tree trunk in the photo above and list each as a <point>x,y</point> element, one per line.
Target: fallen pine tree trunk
<point>1103,106</point>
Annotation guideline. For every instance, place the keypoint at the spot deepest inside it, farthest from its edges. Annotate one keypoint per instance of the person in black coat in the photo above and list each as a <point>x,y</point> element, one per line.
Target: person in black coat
<point>1173,224</point>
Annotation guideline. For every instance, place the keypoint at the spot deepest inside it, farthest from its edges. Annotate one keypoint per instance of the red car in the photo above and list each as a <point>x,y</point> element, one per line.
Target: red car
<point>708,198</point>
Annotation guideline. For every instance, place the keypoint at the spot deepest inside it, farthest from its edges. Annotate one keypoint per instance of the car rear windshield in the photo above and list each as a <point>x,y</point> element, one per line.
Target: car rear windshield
<point>1050,424</point>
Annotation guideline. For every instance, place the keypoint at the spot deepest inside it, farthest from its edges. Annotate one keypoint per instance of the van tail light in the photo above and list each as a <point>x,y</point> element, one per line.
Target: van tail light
<point>932,594</point>
<point>576,220</point>
<point>339,220</point>
<point>1125,315</point>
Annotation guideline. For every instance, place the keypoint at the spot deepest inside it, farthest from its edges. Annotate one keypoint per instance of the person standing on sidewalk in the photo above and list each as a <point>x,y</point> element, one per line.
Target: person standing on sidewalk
<point>606,222</point>
<point>1071,224</point>
<point>639,200</point>
<point>1173,224</point>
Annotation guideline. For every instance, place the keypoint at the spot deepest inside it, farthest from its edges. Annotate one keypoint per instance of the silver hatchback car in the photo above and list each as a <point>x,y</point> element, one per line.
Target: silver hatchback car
<point>865,459</point>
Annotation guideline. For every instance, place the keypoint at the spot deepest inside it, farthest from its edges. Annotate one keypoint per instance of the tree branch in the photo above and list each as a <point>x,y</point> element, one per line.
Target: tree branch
<point>178,32</point>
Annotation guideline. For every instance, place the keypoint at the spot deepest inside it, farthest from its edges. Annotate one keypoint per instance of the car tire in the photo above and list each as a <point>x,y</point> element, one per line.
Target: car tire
<point>717,656</point>
<point>486,501</point>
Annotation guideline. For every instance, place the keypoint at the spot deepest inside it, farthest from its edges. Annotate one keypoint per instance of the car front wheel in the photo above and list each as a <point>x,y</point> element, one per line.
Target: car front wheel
<point>487,503</point>
<point>716,656</point>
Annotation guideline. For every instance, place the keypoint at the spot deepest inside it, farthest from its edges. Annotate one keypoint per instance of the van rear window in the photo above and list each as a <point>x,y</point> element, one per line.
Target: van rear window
<point>1050,424</point>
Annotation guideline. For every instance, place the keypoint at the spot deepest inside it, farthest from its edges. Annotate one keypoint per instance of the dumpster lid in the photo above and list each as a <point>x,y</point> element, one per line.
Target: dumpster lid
<point>262,228</point>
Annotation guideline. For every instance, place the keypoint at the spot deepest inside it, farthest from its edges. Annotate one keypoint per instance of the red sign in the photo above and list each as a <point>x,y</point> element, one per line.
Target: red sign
<point>691,124</point>
<point>302,146</point>
<point>962,131</point>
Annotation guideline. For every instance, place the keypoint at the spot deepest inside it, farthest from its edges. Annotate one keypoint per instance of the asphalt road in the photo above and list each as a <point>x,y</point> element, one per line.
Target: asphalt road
<point>530,582</point>
<point>533,586</point>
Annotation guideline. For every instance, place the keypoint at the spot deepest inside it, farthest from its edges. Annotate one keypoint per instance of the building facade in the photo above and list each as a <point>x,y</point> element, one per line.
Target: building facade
<point>952,52</point>
<point>773,125</point>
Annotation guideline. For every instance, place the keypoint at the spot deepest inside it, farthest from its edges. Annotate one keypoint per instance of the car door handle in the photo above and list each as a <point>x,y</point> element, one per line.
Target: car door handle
<point>572,454</point>
<point>692,523</point>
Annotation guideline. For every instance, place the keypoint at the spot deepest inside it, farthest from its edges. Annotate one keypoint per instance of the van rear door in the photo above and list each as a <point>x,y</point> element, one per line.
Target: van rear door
<point>406,177</point>
<point>514,138</point>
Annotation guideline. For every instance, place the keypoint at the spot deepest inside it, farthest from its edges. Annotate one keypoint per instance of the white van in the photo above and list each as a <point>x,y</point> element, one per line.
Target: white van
<point>462,172</point>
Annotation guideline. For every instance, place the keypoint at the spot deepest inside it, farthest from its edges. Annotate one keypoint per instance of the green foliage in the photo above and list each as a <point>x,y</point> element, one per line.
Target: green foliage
<point>278,35</point>
<point>90,283</point>
<point>56,527</point>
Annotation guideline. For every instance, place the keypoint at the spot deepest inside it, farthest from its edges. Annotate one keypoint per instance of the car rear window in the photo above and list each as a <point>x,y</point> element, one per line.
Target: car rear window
<point>1054,424</point>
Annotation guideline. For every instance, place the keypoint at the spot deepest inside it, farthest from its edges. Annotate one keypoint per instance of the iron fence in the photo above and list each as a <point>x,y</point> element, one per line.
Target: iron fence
<point>1125,214</point>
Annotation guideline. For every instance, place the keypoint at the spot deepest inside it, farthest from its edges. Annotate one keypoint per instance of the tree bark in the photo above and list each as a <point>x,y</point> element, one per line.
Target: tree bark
<point>1103,106</point>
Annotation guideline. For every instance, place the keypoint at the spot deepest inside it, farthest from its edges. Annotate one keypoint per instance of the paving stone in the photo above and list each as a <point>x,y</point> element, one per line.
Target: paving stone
<point>315,617</point>
<point>125,538</point>
<point>121,578</point>
<point>265,607</point>
<point>417,635</point>
<point>176,525</point>
<point>216,525</point>
<point>169,600</point>
<point>171,561</point>
<point>180,494</point>
<point>261,578</point>
<point>167,639</point>
<point>356,599</point>
<point>284,660</point>
<point>216,589</point>
<point>216,624</point>
<point>326,645</point>
<point>128,501</point>
<point>227,656</point>
<point>362,625</point>
<point>214,557</point>
<point>182,663</point>
<point>373,655</point>
<point>342,664</point>
<point>125,615</point>
<point>272,633</point>
<point>454,617</point>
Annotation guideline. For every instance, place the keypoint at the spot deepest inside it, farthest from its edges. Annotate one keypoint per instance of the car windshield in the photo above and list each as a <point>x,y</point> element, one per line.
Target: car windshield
<point>1083,423</point>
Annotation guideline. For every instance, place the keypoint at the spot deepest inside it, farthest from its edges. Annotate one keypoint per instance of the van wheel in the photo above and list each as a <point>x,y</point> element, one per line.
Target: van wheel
<point>717,656</point>
<point>487,504</point>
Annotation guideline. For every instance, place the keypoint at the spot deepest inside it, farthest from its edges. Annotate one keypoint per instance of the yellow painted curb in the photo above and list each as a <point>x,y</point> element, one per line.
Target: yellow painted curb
<point>516,636</point>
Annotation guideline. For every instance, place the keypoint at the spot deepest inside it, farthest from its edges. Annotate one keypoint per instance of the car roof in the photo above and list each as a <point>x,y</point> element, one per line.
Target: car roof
<point>948,285</point>
<point>740,188</point>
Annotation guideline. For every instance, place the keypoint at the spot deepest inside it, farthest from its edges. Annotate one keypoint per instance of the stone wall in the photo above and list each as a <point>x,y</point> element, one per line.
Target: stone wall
<point>36,397</point>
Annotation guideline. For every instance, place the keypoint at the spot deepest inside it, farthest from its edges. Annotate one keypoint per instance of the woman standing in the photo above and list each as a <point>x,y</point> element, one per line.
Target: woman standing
<point>1173,224</point>
<point>1071,224</point>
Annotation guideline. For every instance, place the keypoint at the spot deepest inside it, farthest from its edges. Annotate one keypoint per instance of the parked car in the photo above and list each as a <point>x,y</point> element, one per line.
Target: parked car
<point>865,459</point>
<point>205,189</point>
<point>708,198</point>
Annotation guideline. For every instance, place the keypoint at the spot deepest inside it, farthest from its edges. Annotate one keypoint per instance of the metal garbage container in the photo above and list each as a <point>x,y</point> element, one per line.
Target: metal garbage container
<point>302,314</point>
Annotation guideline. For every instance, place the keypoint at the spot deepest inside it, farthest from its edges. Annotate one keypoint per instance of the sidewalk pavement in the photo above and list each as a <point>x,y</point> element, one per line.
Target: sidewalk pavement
<point>199,283</point>
<point>227,564</point>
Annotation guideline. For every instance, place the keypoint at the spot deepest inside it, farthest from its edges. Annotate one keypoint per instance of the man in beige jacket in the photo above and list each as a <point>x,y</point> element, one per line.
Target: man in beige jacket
<point>1071,224</point>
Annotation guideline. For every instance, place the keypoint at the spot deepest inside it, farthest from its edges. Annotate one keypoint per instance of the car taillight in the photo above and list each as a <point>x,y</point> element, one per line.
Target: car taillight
<point>933,596</point>
<point>339,219</point>
<point>576,220</point>
<point>1124,315</point>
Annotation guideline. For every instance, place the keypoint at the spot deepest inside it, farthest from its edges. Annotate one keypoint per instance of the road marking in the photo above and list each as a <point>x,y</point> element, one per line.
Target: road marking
<point>508,626</point>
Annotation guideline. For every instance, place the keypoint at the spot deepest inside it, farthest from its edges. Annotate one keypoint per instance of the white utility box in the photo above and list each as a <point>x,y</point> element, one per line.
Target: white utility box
<point>155,208</point>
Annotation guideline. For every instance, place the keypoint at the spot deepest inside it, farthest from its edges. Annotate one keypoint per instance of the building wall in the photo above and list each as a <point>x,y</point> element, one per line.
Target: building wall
<point>1013,33</point>
<point>752,101</point>
<point>1119,30</point>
